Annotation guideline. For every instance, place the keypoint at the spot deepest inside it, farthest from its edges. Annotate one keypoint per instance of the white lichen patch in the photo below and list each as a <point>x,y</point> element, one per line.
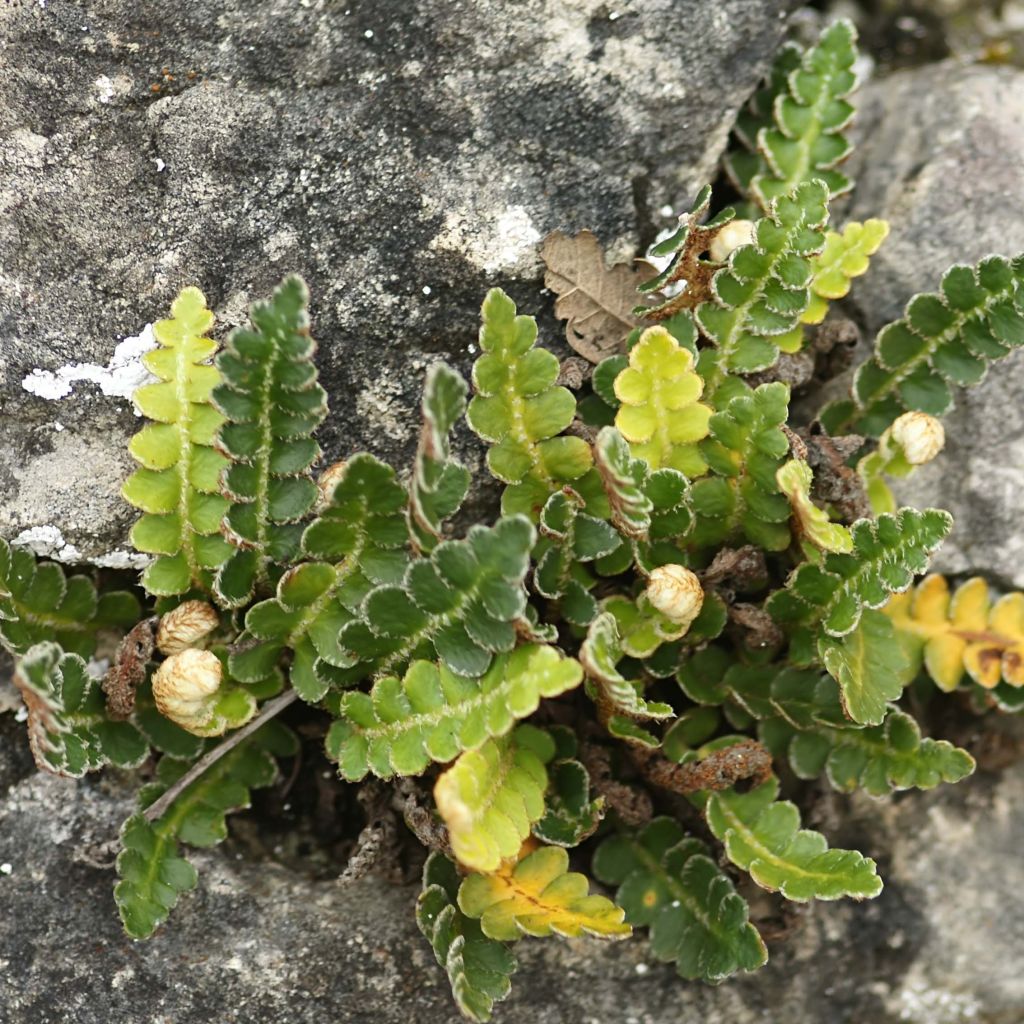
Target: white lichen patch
<point>502,240</point>
<point>48,542</point>
<point>118,379</point>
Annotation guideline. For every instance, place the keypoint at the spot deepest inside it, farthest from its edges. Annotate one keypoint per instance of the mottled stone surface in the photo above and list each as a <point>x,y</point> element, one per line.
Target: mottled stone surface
<point>403,157</point>
<point>941,157</point>
<point>259,943</point>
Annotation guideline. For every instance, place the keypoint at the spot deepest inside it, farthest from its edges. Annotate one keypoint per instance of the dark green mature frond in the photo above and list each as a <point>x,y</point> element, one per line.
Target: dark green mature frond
<point>38,602</point>
<point>152,872</point>
<point>356,541</point>
<point>763,291</point>
<point>69,729</point>
<point>571,815</point>
<point>461,604</point>
<point>439,483</point>
<point>478,967</point>
<point>522,414</point>
<point>668,883</point>
<point>878,759</point>
<point>794,129</point>
<point>740,499</point>
<point>177,486</point>
<point>944,339</point>
<point>273,404</point>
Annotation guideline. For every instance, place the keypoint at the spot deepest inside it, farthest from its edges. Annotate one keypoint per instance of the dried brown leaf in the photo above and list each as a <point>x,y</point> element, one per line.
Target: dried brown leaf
<point>595,301</point>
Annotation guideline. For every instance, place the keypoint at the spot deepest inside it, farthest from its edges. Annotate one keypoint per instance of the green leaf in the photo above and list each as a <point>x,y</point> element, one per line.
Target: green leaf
<point>69,730</point>
<point>521,413</point>
<point>879,760</point>
<point>763,291</point>
<point>812,523</point>
<point>746,447</point>
<point>671,885</point>
<point>868,664</point>
<point>844,257</point>
<point>805,139</point>
<point>178,483</point>
<point>762,835</point>
<point>151,869</point>
<point>460,605</point>
<point>492,795</point>
<point>660,415</point>
<point>944,339</point>
<point>478,968</point>
<point>539,896</point>
<point>273,404</point>
<point>611,691</point>
<point>570,815</point>
<point>433,715</point>
<point>887,553</point>
<point>39,603</point>
<point>357,538</point>
<point>439,483</point>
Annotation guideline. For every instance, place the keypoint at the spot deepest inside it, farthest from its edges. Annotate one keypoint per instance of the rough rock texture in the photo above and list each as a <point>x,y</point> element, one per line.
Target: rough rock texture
<point>403,157</point>
<point>941,156</point>
<point>257,943</point>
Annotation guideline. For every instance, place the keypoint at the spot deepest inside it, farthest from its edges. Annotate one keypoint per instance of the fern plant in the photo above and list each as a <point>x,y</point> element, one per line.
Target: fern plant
<point>691,593</point>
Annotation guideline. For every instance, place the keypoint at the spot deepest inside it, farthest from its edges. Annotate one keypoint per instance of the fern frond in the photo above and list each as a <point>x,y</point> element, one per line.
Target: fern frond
<point>569,541</point>
<point>570,815</point>
<point>805,140</point>
<point>272,402</point>
<point>522,414</point>
<point>880,759</point>
<point>439,483</point>
<point>356,541</point>
<point>812,523</point>
<point>491,796</point>
<point>401,726</point>
<point>461,604</point>
<point>741,496</point>
<point>943,339</point>
<point>39,603</point>
<point>669,884</point>
<point>844,257</point>
<point>177,486</point>
<point>963,633</point>
<point>69,730</point>
<point>762,835</point>
<point>538,896</point>
<point>760,295</point>
<point>152,872</point>
<point>478,967</point>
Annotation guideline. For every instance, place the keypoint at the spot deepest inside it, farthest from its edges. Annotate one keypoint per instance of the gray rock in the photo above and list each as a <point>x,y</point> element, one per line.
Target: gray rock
<point>404,158</point>
<point>259,943</point>
<point>941,156</point>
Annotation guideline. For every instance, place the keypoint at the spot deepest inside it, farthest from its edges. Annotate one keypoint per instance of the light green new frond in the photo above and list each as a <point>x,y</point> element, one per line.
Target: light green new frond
<point>844,257</point>
<point>273,404</point>
<point>661,416</point>
<point>177,486</point>
<point>491,796</point>
<point>521,413</point>
<point>762,835</point>
<point>433,715</point>
<point>668,883</point>
<point>812,523</point>
<point>763,291</point>
<point>69,730</point>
